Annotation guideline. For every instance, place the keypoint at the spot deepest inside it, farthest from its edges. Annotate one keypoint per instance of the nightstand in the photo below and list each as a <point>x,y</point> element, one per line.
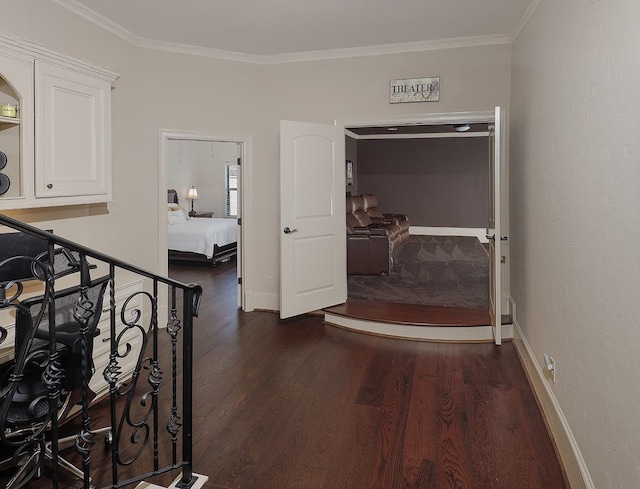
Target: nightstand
<point>203,214</point>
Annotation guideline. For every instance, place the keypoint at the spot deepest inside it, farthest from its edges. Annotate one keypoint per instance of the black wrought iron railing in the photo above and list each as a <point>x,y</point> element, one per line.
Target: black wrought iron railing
<point>52,331</point>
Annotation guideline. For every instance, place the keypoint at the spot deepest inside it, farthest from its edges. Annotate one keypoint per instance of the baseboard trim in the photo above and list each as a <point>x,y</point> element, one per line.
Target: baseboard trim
<point>266,302</point>
<point>479,233</point>
<point>568,450</point>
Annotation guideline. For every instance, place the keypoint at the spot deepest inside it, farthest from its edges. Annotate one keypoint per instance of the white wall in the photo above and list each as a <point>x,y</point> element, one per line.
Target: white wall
<point>575,226</point>
<point>200,164</point>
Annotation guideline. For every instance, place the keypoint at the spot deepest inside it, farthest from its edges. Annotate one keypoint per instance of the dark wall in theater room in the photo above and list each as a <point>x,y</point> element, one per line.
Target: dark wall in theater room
<point>436,182</point>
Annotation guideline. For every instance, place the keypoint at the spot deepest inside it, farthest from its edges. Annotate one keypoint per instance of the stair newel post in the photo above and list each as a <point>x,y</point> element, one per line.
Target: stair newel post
<point>191,301</point>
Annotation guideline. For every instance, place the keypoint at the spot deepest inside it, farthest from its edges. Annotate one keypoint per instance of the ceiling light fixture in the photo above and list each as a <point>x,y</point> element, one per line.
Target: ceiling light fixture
<point>462,127</point>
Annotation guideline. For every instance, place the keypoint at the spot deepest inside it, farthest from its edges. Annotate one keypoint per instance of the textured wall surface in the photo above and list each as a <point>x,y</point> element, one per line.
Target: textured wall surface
<point>436,182</point>
<point>201,164</point>
<point>575,220</point>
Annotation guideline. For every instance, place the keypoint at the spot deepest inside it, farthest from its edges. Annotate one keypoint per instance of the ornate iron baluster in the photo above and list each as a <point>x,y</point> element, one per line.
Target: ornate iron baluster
<point>174,423</point>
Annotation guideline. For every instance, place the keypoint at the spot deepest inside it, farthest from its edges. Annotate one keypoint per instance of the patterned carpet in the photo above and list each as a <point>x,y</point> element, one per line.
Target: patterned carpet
<point>431,270</point>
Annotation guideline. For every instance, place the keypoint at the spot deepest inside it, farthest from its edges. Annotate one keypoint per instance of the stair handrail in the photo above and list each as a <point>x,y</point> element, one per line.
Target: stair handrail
<point>192,295</point>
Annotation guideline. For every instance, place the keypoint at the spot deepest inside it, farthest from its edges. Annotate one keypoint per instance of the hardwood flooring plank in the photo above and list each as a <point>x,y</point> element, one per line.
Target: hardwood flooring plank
<point>452,458</point>
<point>305,477</point>
<point>371,392</point>
<point>392,425</point>
<point>484,444</point>
<point>420,440</point>
<point>352,461</point>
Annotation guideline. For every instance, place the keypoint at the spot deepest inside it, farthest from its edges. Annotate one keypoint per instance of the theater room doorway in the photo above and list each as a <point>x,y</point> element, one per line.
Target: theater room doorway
<point>445,127</point>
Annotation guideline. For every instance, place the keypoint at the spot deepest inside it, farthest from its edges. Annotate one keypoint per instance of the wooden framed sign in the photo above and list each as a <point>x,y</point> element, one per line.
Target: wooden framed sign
<point>414,90</point>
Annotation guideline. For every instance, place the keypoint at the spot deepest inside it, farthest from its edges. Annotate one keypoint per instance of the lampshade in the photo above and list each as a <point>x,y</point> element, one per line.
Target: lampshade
<point>192,194</point>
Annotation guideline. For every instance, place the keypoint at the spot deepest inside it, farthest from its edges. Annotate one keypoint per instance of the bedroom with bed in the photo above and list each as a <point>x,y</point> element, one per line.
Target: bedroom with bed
<point>193,238</point>
<point>202,201</point>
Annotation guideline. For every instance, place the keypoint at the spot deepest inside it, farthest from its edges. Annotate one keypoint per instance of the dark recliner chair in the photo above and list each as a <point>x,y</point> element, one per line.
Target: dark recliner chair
<point>371,239</point>
<point>396,225</point>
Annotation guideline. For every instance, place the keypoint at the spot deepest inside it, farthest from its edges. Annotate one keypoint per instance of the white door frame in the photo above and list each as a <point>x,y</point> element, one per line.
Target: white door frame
<point>487,116</point>
<point>245,258</point>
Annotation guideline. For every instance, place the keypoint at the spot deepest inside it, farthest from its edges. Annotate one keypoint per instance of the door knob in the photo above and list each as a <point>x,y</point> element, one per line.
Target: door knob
<point>287,230</point>
<point>491,237</point>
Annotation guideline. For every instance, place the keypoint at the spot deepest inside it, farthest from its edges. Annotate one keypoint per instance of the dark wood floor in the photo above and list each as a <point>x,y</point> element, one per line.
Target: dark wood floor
<point>299,404</point>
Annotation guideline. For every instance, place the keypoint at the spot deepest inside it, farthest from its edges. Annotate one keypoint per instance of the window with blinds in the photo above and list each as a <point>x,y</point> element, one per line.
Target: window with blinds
<point>231,188</point>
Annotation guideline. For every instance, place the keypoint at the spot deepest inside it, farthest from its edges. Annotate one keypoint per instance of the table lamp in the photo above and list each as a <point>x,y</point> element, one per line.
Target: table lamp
<point>192,195</point>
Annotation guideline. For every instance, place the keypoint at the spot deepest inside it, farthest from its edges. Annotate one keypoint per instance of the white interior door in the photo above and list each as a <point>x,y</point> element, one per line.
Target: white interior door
<point>313,263</point>
<point>493,231</point>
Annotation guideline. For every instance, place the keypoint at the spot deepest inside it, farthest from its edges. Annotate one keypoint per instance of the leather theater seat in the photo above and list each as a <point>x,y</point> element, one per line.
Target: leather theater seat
<point>372,236</point>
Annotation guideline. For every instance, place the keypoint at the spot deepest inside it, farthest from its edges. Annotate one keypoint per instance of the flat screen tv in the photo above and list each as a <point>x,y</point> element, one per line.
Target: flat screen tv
<point>19,244</point>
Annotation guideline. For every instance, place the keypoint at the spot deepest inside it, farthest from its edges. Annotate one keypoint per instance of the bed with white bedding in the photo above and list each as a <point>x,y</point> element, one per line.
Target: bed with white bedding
<point>200,239</point>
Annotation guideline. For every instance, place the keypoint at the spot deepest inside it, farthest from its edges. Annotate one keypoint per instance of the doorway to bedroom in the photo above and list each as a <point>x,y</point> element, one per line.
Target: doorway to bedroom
<point>202,185</point>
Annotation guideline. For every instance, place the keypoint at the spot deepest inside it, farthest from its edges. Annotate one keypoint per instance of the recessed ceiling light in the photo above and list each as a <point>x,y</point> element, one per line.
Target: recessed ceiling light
<point>392,128</point>
<point>462,127</point>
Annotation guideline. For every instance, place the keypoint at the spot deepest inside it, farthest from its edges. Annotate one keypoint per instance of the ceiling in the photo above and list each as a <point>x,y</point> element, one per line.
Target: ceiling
<point>284,30</point>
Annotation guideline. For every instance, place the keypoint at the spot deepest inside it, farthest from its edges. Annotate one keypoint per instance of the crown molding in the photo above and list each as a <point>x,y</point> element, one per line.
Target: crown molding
<point>101,21</point>
<point>397,48</point>
<point>327,54</point>
<point>382,49</point>
<point>33,50</point>
<point>526,17</point>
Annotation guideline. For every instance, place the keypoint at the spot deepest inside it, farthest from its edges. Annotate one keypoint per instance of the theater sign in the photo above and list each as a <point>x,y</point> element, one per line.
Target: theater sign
<point>414,90</point>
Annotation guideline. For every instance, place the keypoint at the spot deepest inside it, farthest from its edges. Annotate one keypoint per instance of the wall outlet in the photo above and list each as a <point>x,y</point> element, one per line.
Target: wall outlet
<point>269,282</point>
<point>550,365</point>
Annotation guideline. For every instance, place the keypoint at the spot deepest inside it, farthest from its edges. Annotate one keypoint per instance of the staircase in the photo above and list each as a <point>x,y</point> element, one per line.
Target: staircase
<point>147,375</point>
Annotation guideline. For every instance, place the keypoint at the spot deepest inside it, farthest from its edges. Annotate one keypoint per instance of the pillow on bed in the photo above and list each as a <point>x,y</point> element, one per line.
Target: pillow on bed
<point>178,207</point>
<point>175,216</point>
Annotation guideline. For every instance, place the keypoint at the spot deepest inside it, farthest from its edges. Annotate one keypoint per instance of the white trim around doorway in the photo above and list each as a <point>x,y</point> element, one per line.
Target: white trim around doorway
<point>245,258</point>
<point>431,119</point>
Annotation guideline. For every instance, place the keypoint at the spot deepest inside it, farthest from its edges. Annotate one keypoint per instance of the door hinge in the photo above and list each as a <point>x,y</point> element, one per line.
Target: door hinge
<point>239,221</point>
<point>239,161</point>
<point>239,280</point>
<point>503,259</point>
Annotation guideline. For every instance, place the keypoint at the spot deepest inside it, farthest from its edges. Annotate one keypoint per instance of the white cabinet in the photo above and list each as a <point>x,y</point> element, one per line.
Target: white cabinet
<point>71,114</point>
<point>59,147</point>
<point>17,136</point>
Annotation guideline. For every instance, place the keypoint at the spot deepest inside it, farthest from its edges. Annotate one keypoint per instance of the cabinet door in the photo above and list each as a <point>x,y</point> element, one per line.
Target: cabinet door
<point>16,134</point>
<point>72,133</point>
